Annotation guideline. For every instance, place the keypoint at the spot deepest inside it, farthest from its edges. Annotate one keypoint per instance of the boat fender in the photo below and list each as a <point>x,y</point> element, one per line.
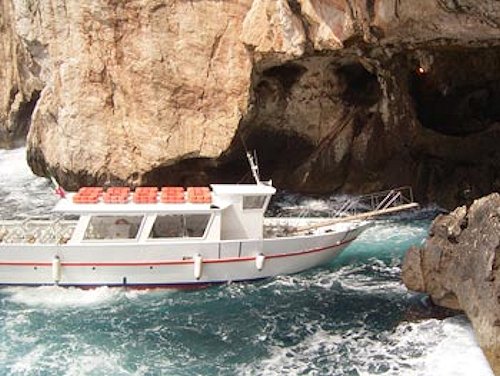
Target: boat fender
<point>198,265</point>
<point>56,269</point>
<point>259,261</point>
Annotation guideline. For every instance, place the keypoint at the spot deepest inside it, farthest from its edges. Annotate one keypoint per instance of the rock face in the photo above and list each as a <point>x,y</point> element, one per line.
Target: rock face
<point>134,85</point>
<point>355,95</point>
<point>20,84</point>
<point>459,268</point>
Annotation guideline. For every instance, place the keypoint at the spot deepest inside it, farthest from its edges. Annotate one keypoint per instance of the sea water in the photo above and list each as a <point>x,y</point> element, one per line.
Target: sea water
<point>350,317</point>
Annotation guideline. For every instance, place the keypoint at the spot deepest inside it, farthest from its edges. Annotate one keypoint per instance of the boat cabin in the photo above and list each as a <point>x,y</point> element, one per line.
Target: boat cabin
<point>224,212</point>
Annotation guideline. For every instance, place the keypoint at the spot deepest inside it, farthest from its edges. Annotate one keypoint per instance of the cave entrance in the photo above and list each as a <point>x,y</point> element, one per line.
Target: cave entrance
<point>287,75</point>
<point>460,93</point>
<point>278,153</point>
<point>361,88</point>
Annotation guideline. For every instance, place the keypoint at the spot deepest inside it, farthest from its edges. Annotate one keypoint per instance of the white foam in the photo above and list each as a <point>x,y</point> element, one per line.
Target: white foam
<point>392,234</point>
<point>457,353</point>
<point>13,164</point>
<point>97,362</point>
<point>23,193</point>
<point>57,297</point>
<point>84,359</point>
<point>30,361</point>
<point>350,277</point>
<point>427,348</point>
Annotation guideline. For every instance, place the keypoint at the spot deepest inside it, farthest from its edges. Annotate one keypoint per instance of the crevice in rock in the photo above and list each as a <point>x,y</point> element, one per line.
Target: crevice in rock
<point>23,116</point>
<point>20,119</point>
<point>370,8</point>
<point>295,7</point>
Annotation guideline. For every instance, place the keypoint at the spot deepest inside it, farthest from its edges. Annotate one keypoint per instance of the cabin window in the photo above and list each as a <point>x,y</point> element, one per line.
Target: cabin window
<point>113,227</point>
<point>254,202</point>
<point>179,226</point>
<point>196,224</point>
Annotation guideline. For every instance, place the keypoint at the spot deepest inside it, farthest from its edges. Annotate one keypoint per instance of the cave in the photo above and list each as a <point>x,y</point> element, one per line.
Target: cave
<point>361,88</point>
<point>454,98</point>
<point>297,111</point>
<point>287,75</point>
<point>14,133</point>
<point>456,94</point>
<point>23,116</point>
<point>278,153</point>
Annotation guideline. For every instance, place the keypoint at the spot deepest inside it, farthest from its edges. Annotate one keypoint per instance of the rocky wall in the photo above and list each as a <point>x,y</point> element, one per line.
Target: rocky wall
<point>345,95</point>
<point>20,82</point>
<point>459,268</point>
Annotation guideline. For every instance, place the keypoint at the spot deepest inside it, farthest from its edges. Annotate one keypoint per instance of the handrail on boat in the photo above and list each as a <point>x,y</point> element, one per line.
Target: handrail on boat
<point>369,206</point>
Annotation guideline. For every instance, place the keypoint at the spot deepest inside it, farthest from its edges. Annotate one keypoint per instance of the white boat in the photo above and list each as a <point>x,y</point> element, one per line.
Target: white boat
<point>163,238</point>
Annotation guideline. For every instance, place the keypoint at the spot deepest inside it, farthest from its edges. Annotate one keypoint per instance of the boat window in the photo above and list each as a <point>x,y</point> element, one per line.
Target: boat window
<point>113,227</point>
<point>254,202</point>
<point>196,224</point>
<point>178,226</point>
<point>168,226</point>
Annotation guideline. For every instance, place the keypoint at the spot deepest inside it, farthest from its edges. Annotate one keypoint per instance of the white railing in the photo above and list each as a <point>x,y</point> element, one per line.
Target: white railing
<point>375,201</point>
<point>36,231</point>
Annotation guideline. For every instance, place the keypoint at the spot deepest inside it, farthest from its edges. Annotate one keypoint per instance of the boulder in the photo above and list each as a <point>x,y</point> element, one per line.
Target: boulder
<point>459,268</point>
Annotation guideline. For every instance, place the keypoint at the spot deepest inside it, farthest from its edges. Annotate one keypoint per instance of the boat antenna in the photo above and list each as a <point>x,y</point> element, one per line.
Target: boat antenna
<point>254,167</point>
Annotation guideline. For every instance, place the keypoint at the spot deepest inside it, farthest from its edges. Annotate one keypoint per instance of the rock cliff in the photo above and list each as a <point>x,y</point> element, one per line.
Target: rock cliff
<point>355,95</point>
<point>459,268</point>
<point>20,84</point>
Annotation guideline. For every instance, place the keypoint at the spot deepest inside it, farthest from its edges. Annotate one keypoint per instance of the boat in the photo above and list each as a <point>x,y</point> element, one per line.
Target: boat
<point>177,237</point>
<point>169,237</point>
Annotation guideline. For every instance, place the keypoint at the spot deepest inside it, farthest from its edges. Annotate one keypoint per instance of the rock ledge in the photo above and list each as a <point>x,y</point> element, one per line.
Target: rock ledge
<point>459,268</point>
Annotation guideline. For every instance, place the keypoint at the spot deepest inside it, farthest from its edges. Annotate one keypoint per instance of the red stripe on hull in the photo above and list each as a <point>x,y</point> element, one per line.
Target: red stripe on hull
<point>174,262</point>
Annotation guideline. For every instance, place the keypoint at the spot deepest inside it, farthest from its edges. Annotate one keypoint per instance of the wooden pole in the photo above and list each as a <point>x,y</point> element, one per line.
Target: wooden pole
<point>367,215</point>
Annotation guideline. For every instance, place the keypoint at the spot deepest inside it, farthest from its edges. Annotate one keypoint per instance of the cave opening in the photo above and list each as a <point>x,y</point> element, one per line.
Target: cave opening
<point>23,116</point>
<point>287,75</point>
<point>277,152</point>
<point>460,92</point>
<point>361,88</point>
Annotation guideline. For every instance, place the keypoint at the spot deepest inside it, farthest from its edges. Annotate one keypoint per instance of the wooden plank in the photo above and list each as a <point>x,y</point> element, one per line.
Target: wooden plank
<point>360,216</point>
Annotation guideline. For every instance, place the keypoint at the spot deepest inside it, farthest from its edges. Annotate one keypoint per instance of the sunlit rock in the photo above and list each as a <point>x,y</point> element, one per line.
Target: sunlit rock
<point>459,268</point>
<point>334,95</point>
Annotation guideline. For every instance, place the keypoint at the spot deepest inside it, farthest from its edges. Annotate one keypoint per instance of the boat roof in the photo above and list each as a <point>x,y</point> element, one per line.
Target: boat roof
<point>243,189</point>
<point>67,205</point>
<point>210,201</point>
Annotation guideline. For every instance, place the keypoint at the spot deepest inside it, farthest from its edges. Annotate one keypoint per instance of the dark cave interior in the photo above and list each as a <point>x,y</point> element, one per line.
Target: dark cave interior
<point>361,87</point>
<point>459,94</point>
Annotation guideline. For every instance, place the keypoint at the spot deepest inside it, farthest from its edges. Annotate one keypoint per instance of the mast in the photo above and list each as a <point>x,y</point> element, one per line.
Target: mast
<point>254,167</point>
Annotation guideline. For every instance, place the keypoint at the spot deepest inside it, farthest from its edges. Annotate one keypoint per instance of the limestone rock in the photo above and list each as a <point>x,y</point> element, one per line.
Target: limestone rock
<point>271,27</point>
<point>20,84</point>
<point>333,94</point>
<point>459,268</point>
<point>329,23</point>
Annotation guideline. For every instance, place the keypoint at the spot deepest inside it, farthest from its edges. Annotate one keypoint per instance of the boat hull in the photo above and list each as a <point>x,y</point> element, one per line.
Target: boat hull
<point>163,265</point>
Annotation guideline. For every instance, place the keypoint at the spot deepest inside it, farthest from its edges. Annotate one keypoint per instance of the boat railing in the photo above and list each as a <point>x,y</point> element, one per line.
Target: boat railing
<point>357,208</point>
<point>377,201</point>
<point>43,231</point>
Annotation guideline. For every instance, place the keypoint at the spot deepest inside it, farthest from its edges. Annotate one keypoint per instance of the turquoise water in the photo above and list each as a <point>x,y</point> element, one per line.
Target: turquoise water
<point>346,318</point>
